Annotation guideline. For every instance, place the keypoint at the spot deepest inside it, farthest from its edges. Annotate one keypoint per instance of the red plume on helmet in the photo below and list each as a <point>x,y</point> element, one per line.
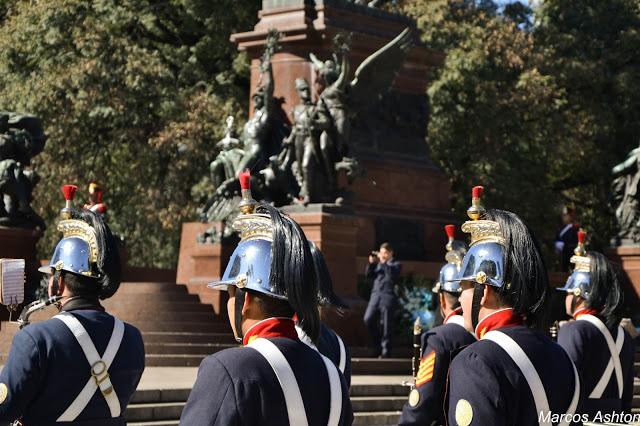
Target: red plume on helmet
<point>69,192</point>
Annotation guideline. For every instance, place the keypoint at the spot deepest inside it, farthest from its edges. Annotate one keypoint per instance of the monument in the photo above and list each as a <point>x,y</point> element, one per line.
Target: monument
<point>21,139</point>
<point>336,138</point>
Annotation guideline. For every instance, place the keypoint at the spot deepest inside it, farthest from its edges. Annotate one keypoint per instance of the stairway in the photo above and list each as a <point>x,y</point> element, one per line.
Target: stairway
<point>177,328</point>
<point>375,400</point>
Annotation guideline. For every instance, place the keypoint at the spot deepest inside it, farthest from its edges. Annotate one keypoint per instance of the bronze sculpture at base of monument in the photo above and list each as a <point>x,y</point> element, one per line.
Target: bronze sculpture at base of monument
<point>626,203</point>
<point>21,139</point>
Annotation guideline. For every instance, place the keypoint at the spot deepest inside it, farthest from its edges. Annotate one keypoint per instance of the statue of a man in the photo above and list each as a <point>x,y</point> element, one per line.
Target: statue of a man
<point>308,121</point>
<point>626,197</point>
<point>226,164</point>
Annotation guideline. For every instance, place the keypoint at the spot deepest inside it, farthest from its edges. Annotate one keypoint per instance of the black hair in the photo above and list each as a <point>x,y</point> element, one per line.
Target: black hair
<point>325,285</point>
<point>275,307</point>
<point>526,282</point>
<point>453,299</point>
<point>107,268</point>
<point>292,272</point>
<point>606,292</point>
<point>386,246</point>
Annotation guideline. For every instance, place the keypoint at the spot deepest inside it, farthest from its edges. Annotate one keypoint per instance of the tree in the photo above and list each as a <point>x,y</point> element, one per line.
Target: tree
<point>508,111</point>
<point>133,94</point>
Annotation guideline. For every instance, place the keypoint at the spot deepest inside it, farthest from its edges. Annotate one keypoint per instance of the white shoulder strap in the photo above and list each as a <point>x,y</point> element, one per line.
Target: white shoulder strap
<point>614,361</point>
<point>284,373</point>
<point>99,367</point>
<point>335,410</point>
<point>289,384</point>
<point>342,363</point>
<point>304,338</point>
<point>533,379</point>
<point>526,368</point>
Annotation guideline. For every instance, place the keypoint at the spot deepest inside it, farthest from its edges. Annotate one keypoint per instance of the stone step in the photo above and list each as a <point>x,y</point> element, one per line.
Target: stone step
<point>158,423</point>
<point>186,348</point>
<point>395,366</point>
<point>173,360</point>
<point>147,396</point>
<point>379,390</point>
<point>150,287</point>
<point>382,418</point>
<point>186,337</point>
<point>154,411</point>
<point>211,326</point>
<point>377,403</point>
<point>134,316</point>
<point>148,306</point>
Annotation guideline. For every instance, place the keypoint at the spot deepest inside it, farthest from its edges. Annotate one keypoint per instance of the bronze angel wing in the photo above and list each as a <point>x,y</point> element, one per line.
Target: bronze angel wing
<point>376,73</point>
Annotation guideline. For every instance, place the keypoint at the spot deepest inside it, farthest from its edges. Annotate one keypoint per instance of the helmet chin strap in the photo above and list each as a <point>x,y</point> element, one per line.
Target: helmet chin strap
<point>478,292</point>
<point>237,314</point>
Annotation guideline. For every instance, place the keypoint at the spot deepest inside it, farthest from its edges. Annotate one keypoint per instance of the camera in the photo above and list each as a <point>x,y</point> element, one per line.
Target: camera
<point>374,252</point>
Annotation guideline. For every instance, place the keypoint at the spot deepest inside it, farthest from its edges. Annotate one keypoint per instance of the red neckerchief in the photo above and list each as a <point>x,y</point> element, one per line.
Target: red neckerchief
<point>457,311</point>
<point>499,319</point>
<point>271,327</point>
<point>584,311</point>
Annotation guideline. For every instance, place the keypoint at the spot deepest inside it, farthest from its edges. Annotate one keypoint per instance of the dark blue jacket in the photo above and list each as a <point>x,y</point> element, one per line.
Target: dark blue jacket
<point>237,386</point>
<point>328,346</point>
<point>443,341</point>
<point>589,351</point>
<point>384,276</point>
<point>47,369</point>
<point>495,390</point>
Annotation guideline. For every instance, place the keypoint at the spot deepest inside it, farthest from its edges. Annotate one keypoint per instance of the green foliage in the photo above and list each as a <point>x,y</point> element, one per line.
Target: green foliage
<point>536,108</point>
<point>132,94</point>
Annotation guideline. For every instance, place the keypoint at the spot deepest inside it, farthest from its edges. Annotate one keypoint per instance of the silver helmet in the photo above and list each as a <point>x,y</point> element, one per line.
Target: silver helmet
<point>484,261</point>
<point>579,282</point>
<point>448,277</point>
<point>77,251</point>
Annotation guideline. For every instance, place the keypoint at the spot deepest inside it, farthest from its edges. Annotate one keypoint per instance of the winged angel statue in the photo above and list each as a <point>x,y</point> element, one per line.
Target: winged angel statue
<point>341,100</point>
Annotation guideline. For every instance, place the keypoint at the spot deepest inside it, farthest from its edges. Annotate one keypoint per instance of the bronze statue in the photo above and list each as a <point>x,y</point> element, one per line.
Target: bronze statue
<point>255,134</point>
<point>21,139</point>
<point>308,121</point>
<point>626,197</point>
<point>227,164</point>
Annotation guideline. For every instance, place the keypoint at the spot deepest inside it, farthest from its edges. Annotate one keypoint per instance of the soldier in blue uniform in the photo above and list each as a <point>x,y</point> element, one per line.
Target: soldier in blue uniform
<point>513,375</point>
<point>426,401</point>
<point>274,378</point>
<point>82,366</point>
<point>602,351</point>
<point>329,343</point>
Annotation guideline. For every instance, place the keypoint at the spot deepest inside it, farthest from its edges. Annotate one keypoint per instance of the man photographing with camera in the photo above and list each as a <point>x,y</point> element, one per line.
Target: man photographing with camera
<point>384,270</point>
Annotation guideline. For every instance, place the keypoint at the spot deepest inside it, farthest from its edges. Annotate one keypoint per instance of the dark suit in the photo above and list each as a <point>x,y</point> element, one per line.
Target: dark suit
<point>47,369</point>
<point>382,303</point>
<point>568,235</point>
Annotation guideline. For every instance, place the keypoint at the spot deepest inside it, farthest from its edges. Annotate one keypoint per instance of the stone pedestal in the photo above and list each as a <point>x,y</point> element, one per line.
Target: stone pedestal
<point>17,243</point>
<point>629,259</point>
<point>335,230</point>
<point>201,263</point>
